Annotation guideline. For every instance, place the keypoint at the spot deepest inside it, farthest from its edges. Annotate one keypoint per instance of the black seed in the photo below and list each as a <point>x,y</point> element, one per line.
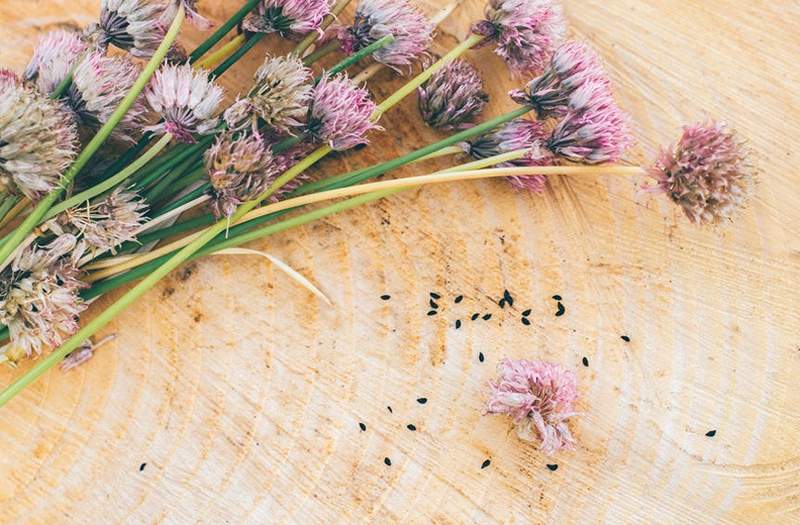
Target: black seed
<point>526,313</point>
<point>487,317</point>
<point>433,304</point>
<point>386,297</point>
<point>480,357</point>
<point>363,427</point>
<point>557,297</point>
<point>458,324</point>
<point>526,321</point>
<point>387,461</point>
<point>508,298</point>
<point>435,295</point>
<point>501,303</point>
<point>459,299</point>
<point>711,433</point>
<point>561,310</point>
<point>625,338</point>
<point>411,427</point>
<point>431,312</point>
<point>422,400</point>
<point>585,361</point>
<point>486,464</point>
<point>142,466</point>
<point>474,316</point>
<point>389,409</point>
<point>552,466</point>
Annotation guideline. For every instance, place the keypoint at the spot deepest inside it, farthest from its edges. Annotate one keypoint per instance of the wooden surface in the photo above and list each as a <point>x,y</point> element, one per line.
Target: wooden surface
<point>232,396</point>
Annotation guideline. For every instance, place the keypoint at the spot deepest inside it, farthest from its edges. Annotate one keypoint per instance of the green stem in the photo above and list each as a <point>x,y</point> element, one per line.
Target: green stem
<point>223,30</point>
<point>33,219</point>
<point>8,202</point>
<point>326,22</point>
<point>355,57</point>
<point>325,50</point>
<point>231,60</point>
<point>167,181</point>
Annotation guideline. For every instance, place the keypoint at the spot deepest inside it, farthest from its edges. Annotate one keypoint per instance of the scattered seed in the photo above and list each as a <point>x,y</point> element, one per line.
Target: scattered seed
<point>411,427</point>
<point>625,338</point>
<point>387,461</point>
<point>480,357</point>
<point>711,433</point>
<point>459,299</point>
<point>585,361</point>
<point>508,298</point>
<point>431,312</point>
<point>561,310</point>
<point>526,313</point>
<point>486,463</point>
<point>386,297</point>
<point>474,316</point>
<point>433,304</point>
<point>501,303</point>
<point>458,324</point>
<point>435,295</point>
<point>390,409</point>
<point>363,427</point>
<point>142,466</point>
<point>422,400</point>
<point>487,317</point>
<point>526,321</point>
<point>557,297</point>
<point>552,466</point>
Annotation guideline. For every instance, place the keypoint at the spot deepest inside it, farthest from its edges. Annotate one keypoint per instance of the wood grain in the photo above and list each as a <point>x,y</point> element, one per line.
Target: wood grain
<point>232,396</point>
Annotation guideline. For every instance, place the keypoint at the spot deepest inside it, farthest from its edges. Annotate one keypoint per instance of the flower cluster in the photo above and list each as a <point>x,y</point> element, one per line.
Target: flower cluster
<point>136,26</point>
<point>453,97</point>
<point>287,16</point>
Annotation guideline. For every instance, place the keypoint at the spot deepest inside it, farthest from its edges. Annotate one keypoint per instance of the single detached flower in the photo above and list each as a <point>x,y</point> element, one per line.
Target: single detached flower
<point>186,99</point>
<point>574,67</point>
<point>706,173</point>
<point>98,86</point>
<point>539,397</point>
<point>83,353</point>
<point>340,113</point>
<point>39,299</point>
<point>279,97</point>
<point>453,97</point>
<point>287,16</point>
<point>375,19</point>
<point>239,169</point>
<point>54,57</point>
<point>192,14</point>
<point>524,32</point>
<point>132,25</point>
<point>596,135</point>
<point>38,141</point>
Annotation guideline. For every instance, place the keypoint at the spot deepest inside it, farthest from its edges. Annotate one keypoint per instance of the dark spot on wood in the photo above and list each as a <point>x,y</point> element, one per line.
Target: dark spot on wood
<point>142,466</point>
<point>487,317</point>
<point>552,466</point>
<point>526,313</point>
<point>168,291</point>
<point>560,310</point>
<point>386,297</point>
<point>486,463</point>
<point>422,400</point>
<point>363,427</point>
<point>411,427</point>
<point>458,324</point>
<point>187,271</point>
<point>711,433</point>
<point>387,461</point>
<point>390,409</point>
<point>435,295</point>
<point>431,312</point>
<point>474,316</point>
<point>459,299</point>
<point>585,361</point>
<point>480,357</point>
<point>625,338</point>
<point>433,304</point>
<point>557,297</point>
<point>526,321</point>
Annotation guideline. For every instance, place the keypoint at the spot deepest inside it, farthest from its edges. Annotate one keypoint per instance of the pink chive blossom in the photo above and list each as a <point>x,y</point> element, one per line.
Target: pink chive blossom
<point>187,100</point>
<point>375,19</point>
<point>8,78</point>
<point>192,14</point>
<point>575,66</point>
<point>287,16</point>
<point>135,26</point>
<point>340,113</point>
<point>453,97</point>
<point>524,32</point>
<point>706,173</point>
<point>540,398</point>
<point>287,159</point>
<point>56,54</point>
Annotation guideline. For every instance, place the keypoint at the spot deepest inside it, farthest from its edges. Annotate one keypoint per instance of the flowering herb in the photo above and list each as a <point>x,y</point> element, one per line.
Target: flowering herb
<point>192,14</point>
<point>600,134</point>
<point>453,97</point>
<point>54,57</point>
<point>539,397</point>
<point>287,16</point>
<point>132,25</point>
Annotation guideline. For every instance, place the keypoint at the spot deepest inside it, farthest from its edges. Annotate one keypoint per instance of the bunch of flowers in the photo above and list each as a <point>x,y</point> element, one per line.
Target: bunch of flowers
<point>71,233</point>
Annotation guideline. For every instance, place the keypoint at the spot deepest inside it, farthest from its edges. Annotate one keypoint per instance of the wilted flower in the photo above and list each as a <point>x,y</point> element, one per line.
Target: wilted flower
<point>596,135</point>
<point>287,16</point>
<point>133,25</point>
<point>187,100</point>
<point>239,169</point>
<point>83,353</point>
<point>104,224</point>
<point>279,97</point>
<point>37,141</point>
<point>452,97</point>
<point>574,67</point>
<point>56,54</point>
<point>192,14</point>
<point>98,86</point>
<point>39,301</point>
<point>706,173</point>
<point>340,113</point>
<point>539,397</point>
<point>525,32</point>
<point>375,19</point>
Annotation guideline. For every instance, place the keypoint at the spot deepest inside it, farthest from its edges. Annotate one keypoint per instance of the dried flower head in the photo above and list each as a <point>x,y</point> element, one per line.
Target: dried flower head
<point>187,100</point>
<point>596,135</point>
<point>54,57</point>
<point>525,32</point>
<point>37,141</point>
<point>574,67</point>
<point>539,397</point>
<point>340,113</point>
<point>133,25</point>
<point>279,97</point>
<point>83,353</point>
<point>453,97</point>
<point>98,86</point>
<point>39,299</point>
<point>239,169</point>
<point>287,159</point>
<point>287,16</point>
<point>106,223</point>
<point>706,173</point>
<point>375,19</point>
<point>192,14</point>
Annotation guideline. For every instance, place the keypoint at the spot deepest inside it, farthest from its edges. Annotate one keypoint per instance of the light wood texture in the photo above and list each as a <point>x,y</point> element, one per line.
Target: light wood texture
<point>242,393</point>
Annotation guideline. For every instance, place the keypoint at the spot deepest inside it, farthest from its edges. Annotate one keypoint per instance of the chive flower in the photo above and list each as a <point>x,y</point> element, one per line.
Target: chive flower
<point>53,59</point>
<point>192,14</point>
<point>453,97</point>
<point>135,26</point>
<point>287,16</point>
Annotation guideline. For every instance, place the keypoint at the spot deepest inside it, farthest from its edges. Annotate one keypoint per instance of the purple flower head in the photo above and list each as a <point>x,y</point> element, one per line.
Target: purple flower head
<point>39,299</point>
<point>239,169</point>
<point>287,16</point>
<point>525,32</point>
<point>187,100</point>
<point>573,67</point>
<point>287,159</point>
<point>38,141</point>
<point>452,97</point>
<point>706,173</point>
<point>132,25</point>
<point>539,397</point>
<point>53,59</point>
<point>375,19</point>
<point>597,135</point>
<point>192,14</point>
<point>340,113</point>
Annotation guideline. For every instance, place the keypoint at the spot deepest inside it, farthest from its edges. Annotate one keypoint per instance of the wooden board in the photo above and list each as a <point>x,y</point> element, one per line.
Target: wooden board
<point>232,396</point>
